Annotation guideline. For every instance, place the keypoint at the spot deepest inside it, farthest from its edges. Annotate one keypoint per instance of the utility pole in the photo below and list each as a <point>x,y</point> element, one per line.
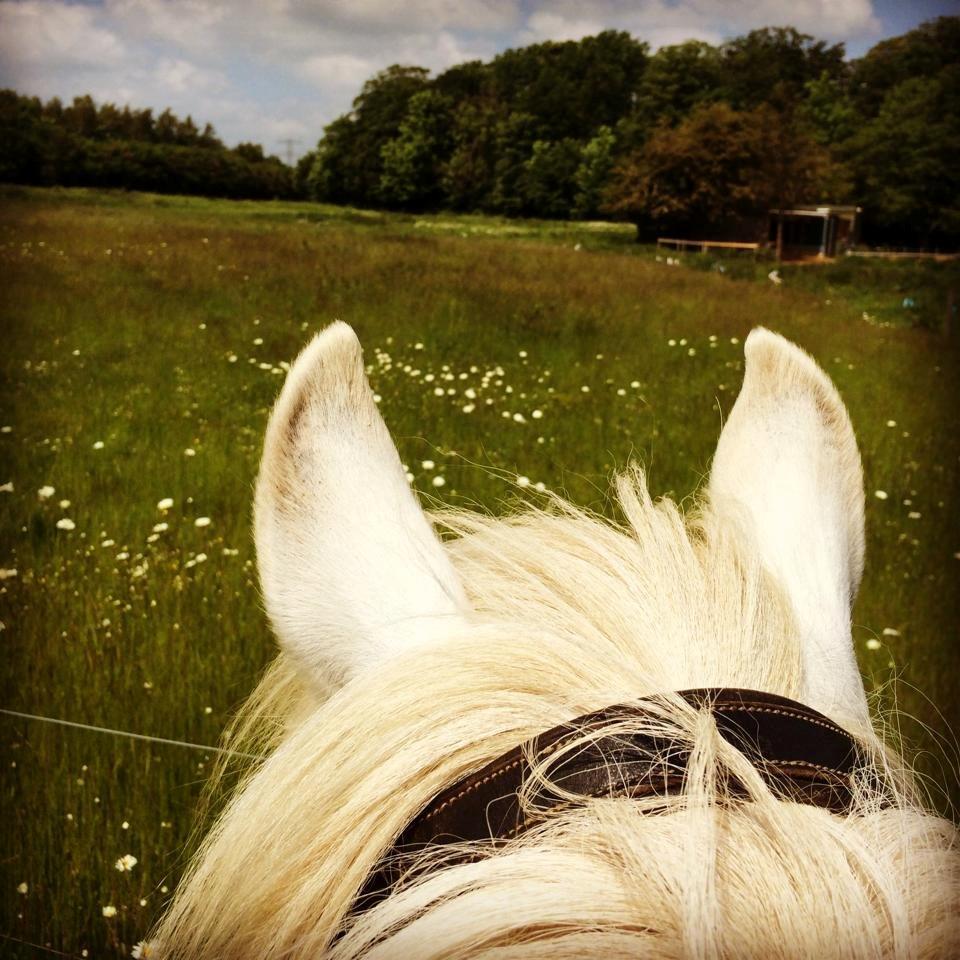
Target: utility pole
<point>289,143</point>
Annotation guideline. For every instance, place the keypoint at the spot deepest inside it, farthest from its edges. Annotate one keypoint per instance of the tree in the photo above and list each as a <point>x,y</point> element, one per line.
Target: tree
<point>569,89</point>
<point>547,182</point>
<point>413,159</point>
<point>905,159</point>
<point>252,152</point>
<point>923,52</point>
<point>828,110</point>
<point>468,176</point>
<point>332,176</point>
<point>754,65</point>
<point>596,162</point>
<point>677,79</point>
<point>513,144</point>
<point>719,169</point>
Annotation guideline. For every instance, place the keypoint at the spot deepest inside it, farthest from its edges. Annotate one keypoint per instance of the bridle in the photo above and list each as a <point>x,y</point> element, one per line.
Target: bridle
<point>801,755</point>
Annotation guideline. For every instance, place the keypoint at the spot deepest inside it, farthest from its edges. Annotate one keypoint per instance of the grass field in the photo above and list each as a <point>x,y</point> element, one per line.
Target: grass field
<point>144,340</point>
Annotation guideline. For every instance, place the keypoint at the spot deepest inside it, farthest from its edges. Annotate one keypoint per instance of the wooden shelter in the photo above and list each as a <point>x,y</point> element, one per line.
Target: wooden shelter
<point>813,230</point>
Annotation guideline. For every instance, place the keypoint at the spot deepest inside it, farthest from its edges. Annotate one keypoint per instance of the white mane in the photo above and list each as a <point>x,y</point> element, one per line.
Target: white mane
<point>408,663</point>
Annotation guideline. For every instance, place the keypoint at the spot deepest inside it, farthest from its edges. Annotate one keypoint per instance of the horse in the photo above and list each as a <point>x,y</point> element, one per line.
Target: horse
<point>417,653</point>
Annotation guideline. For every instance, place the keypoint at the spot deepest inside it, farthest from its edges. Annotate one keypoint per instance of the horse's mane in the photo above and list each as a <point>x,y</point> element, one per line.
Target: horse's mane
<point>570,613</point>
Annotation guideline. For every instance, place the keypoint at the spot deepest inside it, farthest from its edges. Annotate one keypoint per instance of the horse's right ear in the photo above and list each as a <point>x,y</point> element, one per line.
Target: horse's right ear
<point>787,466</point>
<point>351,569</point>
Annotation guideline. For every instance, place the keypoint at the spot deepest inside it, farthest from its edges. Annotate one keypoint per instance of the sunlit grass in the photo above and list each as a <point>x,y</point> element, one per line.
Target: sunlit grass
<point>144,341</point>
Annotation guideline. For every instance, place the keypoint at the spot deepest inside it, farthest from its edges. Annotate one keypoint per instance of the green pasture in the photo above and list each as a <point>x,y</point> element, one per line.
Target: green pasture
<point>143,342</point>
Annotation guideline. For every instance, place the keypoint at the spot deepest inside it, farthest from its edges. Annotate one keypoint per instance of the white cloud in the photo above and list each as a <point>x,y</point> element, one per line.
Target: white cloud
<point>339,70</point>
<point>266,69</point>
<point>660,22</point>
<point>411,15</point>
<point>545,25</point>
<point>188,24</point>
<point>33,32</point>
<point>181,76</point>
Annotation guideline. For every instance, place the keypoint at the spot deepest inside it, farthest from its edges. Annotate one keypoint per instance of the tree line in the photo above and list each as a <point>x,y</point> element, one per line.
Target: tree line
<point>694,139</point>
<point>107,146</point>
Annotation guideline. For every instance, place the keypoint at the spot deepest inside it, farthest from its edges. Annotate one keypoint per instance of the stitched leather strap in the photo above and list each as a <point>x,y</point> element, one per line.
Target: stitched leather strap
<point>801,754</point>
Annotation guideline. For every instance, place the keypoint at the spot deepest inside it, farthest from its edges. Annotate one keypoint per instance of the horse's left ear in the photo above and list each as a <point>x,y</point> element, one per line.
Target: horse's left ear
<point>351,569</point>
<point>787,462</point>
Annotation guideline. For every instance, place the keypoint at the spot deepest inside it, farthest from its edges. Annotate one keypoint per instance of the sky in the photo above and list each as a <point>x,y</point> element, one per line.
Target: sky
<point>269,71</point>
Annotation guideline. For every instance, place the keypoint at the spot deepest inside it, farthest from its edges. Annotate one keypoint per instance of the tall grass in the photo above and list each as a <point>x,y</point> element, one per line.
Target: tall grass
<point>143,343</point>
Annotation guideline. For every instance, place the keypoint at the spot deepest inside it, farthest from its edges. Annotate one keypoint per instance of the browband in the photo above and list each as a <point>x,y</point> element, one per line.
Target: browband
<point>802,756</point>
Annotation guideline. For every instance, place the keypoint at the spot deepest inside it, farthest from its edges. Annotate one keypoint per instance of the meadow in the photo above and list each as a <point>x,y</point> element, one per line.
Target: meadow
<point>144,340</point>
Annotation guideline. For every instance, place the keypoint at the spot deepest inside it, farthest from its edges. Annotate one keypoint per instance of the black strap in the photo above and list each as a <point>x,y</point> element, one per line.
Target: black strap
<point>802,755</point>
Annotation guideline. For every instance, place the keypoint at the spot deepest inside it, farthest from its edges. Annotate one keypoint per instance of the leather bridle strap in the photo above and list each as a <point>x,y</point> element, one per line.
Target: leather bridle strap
<point>802,756</point>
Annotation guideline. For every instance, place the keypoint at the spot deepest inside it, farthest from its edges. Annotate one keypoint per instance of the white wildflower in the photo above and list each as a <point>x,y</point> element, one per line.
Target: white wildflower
<point>880,494</point>
<point>202,522</point>
<point>126,863</point>
<point>165,504</point>
<point>98,445</point>
<point>438,481</point>
<point>65,523</point>
<point>873,644</point>
<point>45,493</point>
<point>22,888</point>
<point>109,910</point>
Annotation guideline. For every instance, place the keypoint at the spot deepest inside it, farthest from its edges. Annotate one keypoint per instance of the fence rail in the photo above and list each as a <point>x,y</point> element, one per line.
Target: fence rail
<point>705,245</point>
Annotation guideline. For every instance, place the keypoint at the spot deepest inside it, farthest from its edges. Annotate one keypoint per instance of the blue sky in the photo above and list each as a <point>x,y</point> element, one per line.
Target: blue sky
<point>266,70</point>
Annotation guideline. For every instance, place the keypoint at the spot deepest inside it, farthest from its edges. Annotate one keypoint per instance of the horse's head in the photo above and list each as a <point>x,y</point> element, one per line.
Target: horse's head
<point>411,663</point>
<point>353,573</point>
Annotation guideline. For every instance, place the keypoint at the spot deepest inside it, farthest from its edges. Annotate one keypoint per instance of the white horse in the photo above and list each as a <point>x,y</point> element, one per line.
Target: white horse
<point>409,663</point>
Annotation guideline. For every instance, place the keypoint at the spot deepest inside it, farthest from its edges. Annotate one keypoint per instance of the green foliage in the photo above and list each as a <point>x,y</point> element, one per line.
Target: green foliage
<point>83,145</point>
<point>350,157</point>
<point>468,176</point>
<point>677,79</point>
<point>596,162</point>
<point>552,129</point>
<point>513,147</point>
<point>569,89</point>
<point>906,158</point>
<point>502,136</point>
<point>412,160</point>
<point>774,61</point>
<point>718,168</point>
<point>548,182</point>
<point>828,110</point>
<point>924,52</point>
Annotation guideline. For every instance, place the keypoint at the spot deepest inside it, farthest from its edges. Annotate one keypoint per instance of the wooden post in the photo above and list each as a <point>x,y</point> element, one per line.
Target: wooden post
<point>780,235</point>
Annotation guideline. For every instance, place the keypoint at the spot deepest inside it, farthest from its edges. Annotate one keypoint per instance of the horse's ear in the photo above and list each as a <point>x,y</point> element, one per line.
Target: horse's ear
<point>787,463</point>
<point>350,567</point>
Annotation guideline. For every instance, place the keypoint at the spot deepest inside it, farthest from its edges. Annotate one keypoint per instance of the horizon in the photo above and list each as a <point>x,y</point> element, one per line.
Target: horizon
<point>273,76</point>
